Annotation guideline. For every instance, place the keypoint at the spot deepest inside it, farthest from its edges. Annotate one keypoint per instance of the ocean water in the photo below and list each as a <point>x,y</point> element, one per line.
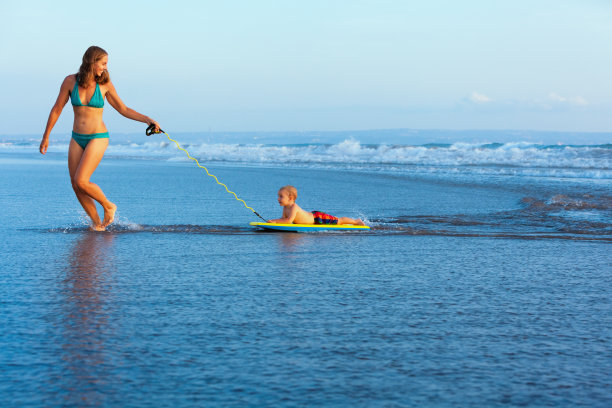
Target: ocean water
<point>484,281</point>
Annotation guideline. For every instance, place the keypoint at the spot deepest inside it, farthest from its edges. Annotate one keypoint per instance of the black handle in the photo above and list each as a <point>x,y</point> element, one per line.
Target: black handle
<point>151,130</point>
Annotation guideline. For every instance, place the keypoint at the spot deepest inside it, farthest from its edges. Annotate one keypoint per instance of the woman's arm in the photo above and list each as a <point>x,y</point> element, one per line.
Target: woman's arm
<point>56,111</point>
<point>113,98</point>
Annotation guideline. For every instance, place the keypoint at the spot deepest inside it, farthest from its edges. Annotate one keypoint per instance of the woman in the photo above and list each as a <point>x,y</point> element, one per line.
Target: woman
<point>87,90</point>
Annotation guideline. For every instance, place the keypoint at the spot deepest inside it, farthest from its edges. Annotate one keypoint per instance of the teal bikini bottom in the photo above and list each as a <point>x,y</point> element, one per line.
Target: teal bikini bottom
<point>82,140</point>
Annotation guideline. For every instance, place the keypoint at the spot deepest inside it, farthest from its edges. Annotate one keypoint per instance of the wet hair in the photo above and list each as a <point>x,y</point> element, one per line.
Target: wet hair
<point>292,191</point>
<point>85,74</point>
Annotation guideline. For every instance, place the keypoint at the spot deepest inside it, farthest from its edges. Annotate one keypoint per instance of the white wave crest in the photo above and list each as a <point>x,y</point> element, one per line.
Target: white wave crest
<point>529,158</point>
<point>352,152</point>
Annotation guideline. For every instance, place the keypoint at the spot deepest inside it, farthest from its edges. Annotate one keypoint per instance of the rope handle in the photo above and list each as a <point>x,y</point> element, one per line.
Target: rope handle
<point>151,131</point>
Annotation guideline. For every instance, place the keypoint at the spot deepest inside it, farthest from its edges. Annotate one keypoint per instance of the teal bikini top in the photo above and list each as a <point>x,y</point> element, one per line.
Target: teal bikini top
<point>96,101</point>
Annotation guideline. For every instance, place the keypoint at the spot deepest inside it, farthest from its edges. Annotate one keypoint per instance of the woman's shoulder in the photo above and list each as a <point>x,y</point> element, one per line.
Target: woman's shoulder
<point>69,82</point>
<point>108,86</point>
<point>70,79</point>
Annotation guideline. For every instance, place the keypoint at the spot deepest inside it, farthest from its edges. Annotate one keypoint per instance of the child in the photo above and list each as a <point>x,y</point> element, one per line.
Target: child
<point>293,214</point>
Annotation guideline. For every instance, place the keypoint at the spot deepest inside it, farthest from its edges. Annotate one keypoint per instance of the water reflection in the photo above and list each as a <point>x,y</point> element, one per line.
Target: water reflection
<point>293,250</point>
<point>85,318</point>
<point>290,242</point>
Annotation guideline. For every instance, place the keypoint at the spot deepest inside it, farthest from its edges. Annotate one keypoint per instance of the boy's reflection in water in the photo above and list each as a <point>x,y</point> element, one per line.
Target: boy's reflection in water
<point>291,242</point>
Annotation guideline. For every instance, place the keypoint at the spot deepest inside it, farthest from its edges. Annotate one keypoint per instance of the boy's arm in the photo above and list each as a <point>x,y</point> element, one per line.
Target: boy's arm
<point>288,219</point>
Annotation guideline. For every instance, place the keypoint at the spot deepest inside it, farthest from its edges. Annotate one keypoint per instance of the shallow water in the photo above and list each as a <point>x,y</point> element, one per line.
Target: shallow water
<point>469,290</point>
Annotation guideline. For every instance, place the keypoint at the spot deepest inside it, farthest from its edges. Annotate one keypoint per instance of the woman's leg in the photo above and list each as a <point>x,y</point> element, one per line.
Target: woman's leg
<point>75,152</point>
<point>92,155</point>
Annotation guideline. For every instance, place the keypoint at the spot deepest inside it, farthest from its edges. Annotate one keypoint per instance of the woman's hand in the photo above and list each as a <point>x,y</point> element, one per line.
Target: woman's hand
<point>44,144</point>
<point>152,122</point>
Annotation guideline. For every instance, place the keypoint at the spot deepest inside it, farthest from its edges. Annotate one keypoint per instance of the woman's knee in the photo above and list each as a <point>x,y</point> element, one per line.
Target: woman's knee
<point>74,184</point>
<point>79,183</point>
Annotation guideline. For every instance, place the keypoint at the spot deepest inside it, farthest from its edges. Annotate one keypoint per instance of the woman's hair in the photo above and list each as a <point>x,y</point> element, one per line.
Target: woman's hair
<point>85,74</point>
<point>292,191</point>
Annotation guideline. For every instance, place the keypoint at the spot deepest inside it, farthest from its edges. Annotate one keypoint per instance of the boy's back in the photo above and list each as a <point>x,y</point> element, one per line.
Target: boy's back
<point>301,216</point>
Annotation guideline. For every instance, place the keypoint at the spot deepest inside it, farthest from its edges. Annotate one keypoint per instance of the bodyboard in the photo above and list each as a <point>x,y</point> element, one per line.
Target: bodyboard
<point>309,227</point>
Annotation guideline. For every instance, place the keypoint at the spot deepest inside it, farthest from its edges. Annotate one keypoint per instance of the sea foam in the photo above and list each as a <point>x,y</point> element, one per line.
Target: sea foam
<point>587,161</point>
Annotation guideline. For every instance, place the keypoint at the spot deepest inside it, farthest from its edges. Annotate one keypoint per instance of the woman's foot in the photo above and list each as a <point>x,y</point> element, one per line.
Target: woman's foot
<point>98,227</point>
<point>109,215</point>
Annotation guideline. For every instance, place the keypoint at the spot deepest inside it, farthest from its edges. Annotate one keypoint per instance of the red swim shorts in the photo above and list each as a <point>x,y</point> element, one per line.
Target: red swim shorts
<point>322,218</point>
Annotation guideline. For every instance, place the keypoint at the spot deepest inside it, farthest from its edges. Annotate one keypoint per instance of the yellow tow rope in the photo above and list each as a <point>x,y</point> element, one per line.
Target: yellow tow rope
<point>150,131</point>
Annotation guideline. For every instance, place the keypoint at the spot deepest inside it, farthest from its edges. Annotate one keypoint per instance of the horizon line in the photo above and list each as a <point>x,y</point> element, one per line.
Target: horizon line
<point>209,131</point>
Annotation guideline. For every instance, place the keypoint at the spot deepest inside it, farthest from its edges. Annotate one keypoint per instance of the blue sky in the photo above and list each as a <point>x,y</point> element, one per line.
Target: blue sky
<point>317,65</point>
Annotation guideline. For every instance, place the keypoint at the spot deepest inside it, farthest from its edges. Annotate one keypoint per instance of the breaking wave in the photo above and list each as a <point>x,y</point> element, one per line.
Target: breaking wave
<point>522,158</point>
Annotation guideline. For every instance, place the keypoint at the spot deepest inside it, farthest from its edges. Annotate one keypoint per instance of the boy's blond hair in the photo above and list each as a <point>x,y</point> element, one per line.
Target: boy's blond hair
<point>292,191</point>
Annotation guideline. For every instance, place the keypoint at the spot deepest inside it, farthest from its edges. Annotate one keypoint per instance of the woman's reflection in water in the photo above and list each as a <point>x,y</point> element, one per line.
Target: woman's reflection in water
<point>85,316</point>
